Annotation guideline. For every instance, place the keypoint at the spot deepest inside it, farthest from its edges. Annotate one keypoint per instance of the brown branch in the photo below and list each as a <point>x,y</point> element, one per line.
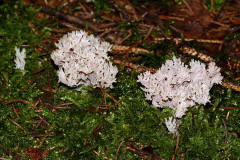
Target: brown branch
<point>118,149</point>
<point>18,100</point>
<point>103,92</point>
<point>170,18</point>
<point>19,126</point>
<point>125,38</point>
<point>233,87</point>
<point>230,108</point>
<point>226,131</point>
<point>189,8</point>
<point>148,33</point>
<point>131,146</point>
<point>176,147</point>
<point>69,18</point>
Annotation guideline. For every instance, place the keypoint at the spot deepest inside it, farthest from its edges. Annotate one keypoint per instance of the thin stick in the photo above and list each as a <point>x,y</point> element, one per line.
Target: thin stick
<point>69,18</point>
<point>15,111</point>
<point>170,18</point>
<point>212,5</point>
<point>189,8</point>
<point>125,38</point>
<point>103,92</point>
<point>148,33</point>
<point>176,147</point>
<point>226,131</point>
<point>4,158</point>
<point>118,149</point>
<point>233,87</point>
<point>19,126</point>
<point>114,100</point>
<point>18,100</point>
<point>230,108</point>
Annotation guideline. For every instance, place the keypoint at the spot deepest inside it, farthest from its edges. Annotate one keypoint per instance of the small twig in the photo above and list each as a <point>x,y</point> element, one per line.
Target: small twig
<point>233,87</point>
<point>15,111</point>
<point>1,158</point>
<point>220,24</point>
<point>226,131</point>
<point>118,149</point>
<point>189,8</point>
<point>69,18</point>
<point>231,108</point>
<point>42,120</point>
<point>171,18</point>
<point>114,100</point>
<point>18,100</point>
<point>108,30</point>
<point>125,38</point>
<point>148,33</point>
<point>19,126</point>
<point>176,147</point>
<point>98,154</point>
<point>212,5</point>
<point>103,92</point>
<point>70,26</point>
<point>227,116</point>
<point>61,106</point>
<point>237,79</point>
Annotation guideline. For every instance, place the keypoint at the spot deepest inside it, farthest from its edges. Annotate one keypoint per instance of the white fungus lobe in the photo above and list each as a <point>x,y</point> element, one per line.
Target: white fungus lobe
<point>178,86</point>
<point>82,59</point>
<point>20,58</point>
<point>171,124</point>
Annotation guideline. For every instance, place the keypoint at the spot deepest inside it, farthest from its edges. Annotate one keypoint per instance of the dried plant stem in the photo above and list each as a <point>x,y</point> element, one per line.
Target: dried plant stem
<point>118,149</point>
<point>226,131</point>
<point>103,92</point>
<point>125,38</point>
<point>18,100</point>
<point>176,147</point>
<point>189,8</point>
<point>19,126</point>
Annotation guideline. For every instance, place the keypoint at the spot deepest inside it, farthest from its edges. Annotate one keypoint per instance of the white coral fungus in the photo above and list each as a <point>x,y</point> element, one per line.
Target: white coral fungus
<point>177,86</point>
<point>20,58</point>
<point>171,124</point>
<point>82,59</point>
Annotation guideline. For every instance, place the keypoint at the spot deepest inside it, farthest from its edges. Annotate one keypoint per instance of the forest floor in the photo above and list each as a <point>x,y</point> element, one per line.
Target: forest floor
<point>41,118</point>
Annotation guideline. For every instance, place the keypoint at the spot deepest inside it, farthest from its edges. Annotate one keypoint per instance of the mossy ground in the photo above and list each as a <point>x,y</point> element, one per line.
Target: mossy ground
<point>40,119</point>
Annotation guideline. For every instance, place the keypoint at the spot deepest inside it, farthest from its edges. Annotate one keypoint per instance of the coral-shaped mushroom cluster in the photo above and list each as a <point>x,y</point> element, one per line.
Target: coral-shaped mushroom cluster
<point>178,86</point>
<point>20,58</point>
<point>82,59</point>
